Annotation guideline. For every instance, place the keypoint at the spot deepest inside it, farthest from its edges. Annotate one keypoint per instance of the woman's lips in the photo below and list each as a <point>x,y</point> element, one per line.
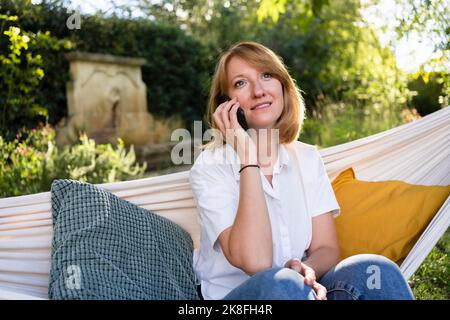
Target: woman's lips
<point>263,106</point>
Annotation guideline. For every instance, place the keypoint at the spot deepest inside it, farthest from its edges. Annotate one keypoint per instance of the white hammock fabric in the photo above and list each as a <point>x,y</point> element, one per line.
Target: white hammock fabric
<point>417,153</point>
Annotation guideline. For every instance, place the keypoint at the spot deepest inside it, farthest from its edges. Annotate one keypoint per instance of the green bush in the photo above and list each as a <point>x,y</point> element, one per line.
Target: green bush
<point>21,73</point>
<point>22,162</point>
<point>30,162</point>
<point>89,162</point>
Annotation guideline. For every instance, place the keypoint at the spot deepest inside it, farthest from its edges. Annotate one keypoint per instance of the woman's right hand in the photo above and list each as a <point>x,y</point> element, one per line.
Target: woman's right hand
<point>225,119</point>
<point>309,275</point>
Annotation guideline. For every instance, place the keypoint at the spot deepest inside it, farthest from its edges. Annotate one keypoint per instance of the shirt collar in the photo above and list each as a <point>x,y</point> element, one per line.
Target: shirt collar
<point>283,157</point>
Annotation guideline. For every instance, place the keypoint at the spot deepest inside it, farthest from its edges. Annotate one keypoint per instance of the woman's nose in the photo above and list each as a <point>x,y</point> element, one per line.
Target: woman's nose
<point>258,89</point>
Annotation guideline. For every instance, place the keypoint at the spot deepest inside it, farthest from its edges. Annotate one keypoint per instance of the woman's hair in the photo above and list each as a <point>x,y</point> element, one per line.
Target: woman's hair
<point>291,119</point>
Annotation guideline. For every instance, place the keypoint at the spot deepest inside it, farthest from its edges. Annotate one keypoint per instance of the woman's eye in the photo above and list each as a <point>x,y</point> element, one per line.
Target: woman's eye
<point>267,75</point>
<point>237,83</point>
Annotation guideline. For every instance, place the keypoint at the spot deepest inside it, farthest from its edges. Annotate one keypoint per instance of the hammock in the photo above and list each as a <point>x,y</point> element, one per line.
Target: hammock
<point>417,153</point>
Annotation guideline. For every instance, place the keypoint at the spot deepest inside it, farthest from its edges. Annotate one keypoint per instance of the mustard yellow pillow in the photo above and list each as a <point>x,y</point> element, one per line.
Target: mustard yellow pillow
<point>383,217</point>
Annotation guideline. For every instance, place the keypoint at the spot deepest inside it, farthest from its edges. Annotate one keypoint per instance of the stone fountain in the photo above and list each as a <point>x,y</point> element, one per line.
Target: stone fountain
<point>106,100</point>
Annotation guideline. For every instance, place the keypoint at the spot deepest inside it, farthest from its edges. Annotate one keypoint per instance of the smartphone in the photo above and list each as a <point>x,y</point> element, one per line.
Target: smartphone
<point>240,114</point>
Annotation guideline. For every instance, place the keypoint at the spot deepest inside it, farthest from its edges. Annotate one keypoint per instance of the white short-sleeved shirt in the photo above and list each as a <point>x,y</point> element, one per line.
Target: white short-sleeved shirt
<point>300,191</point>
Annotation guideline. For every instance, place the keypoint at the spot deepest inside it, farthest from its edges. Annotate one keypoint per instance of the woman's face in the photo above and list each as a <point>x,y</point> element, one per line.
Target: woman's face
<point>258,93</point>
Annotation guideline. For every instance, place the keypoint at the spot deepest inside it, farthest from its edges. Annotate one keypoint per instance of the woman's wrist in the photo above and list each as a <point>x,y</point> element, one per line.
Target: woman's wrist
<point>249,166</point>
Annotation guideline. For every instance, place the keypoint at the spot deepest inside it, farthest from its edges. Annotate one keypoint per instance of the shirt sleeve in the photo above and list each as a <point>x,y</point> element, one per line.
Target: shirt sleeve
<point>217,197</point>
<point>322,195</point>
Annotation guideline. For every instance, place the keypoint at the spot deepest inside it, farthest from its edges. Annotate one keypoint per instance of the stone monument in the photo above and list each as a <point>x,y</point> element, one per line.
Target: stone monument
<point>106,100</point>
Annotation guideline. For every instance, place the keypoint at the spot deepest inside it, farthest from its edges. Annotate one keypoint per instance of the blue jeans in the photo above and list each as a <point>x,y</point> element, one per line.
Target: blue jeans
<point>360,277</point>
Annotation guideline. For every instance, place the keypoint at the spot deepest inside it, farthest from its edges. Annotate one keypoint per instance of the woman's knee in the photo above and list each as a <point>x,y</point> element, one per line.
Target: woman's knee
<point>375,276</point>
<point>275,276</point>
<point>369,262</point>
<point>284,283</point>
<point>363,269</point>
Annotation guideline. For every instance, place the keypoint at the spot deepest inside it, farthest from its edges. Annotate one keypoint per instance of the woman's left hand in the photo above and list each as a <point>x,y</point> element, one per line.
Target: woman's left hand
<point>310,277</point>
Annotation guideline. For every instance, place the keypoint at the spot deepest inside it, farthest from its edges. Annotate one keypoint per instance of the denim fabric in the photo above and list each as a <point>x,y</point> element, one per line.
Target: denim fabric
<point>273,284</point>
<point>360,277</point>
<point>366,277</point>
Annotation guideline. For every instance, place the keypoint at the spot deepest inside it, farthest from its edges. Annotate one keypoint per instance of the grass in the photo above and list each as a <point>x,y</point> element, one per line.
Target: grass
<point>432,280</point>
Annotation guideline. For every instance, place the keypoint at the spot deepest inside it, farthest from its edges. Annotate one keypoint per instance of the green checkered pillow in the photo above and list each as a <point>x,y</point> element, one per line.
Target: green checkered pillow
<point>107,248</point>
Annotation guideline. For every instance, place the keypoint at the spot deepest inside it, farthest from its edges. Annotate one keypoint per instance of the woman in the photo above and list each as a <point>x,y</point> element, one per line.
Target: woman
<point>265,202</point>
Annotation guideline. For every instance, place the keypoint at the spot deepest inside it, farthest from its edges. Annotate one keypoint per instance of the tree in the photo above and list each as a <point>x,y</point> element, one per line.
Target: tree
<point>428,21</point>
<point>335,58</point>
